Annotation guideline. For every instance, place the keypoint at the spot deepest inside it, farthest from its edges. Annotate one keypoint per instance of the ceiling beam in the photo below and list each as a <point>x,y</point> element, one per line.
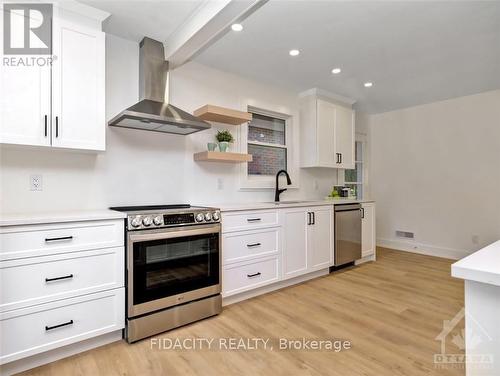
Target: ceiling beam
<point>206,25</point>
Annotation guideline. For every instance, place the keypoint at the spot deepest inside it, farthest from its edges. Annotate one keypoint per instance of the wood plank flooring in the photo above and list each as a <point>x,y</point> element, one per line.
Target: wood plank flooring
<point>391,311</point>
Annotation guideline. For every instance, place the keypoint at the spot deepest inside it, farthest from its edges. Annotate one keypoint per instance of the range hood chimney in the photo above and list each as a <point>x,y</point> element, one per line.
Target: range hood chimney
<point>153,112</point>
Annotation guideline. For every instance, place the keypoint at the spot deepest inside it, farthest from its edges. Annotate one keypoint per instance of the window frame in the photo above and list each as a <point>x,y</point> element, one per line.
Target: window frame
<point>361,138</point>
<point>266,182</point>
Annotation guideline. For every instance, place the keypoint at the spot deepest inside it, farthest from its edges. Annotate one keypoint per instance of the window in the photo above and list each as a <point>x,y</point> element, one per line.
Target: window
<point>354,178</point>
<point>266,141</point>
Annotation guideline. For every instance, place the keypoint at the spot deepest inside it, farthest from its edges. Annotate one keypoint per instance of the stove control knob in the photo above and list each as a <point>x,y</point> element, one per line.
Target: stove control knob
<point>199,217</point>
<point>136,222</point>
<point>147,221</point>
<point>208,217</point>
<point>158,220</point>
<point>216,216</point>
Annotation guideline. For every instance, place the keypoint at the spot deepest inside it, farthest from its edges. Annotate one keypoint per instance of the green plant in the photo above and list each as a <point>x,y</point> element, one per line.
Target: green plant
<point>224,136</point>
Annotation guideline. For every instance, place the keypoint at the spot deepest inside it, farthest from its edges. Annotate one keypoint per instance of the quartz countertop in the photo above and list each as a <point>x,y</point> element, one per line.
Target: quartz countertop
<point>226,207</point>
<point>15,219</point>
<point>482,266</point>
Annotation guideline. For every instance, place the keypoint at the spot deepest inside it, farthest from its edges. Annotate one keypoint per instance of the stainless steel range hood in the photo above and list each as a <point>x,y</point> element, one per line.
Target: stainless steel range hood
<point>153,112</point>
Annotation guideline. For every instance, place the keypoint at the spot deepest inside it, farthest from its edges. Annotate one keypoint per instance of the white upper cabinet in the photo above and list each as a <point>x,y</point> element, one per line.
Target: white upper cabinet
<point>60,105</point>
<point>327,134</point>
<point>78,113</point>
<point>24,100</point>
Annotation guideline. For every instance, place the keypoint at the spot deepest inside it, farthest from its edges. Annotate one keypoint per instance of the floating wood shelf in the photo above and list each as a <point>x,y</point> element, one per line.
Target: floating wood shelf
<point>217,156</point>
<point>222,115</point>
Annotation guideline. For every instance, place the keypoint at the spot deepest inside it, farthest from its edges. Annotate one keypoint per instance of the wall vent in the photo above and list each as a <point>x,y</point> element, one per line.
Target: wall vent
<point>405,234</point>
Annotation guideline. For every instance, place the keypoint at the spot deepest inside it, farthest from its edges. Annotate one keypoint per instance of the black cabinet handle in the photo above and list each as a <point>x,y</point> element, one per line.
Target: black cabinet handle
<point>362,212</point>
<point>253,275</point>
<point>47,240</point>
<point>340,157</point>
<point>253,245</point>
<point>45,121</point>
<point>47,328</point>
<point>59,278</point>
<point>308,218</point>
<point>253,219</point>
<point>57,126</point>
<point>313,218</point>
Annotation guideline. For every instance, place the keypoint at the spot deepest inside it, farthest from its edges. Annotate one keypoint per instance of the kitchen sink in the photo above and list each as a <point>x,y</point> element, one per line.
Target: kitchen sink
<point>291,202</point>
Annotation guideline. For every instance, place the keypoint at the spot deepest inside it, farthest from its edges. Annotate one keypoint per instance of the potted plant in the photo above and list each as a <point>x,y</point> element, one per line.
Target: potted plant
<point>224,137</point>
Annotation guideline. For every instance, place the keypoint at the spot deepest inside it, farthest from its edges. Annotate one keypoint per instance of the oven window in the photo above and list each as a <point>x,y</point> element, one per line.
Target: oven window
<point>172,266</point>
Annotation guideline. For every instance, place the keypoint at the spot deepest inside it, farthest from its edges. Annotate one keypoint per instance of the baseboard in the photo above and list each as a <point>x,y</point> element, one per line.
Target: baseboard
<point>275,286</point>
<point>423,249</point>
<point>56,354</point>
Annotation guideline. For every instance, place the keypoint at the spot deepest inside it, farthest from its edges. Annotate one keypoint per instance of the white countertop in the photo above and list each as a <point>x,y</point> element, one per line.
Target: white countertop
<point>284,204</point>
<point>14,219</point>
<point>482,266</point>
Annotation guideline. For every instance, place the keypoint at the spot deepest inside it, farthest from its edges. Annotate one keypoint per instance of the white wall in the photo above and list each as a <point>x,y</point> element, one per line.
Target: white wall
<point>141,167</point>
<point>435,171</point>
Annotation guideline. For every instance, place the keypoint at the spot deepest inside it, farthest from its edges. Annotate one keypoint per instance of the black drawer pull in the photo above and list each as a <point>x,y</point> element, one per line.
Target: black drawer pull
<point>45,122</point>
<point>58,239</point>
<point>253,275</point>
<point>59,278</point>
<point>47,328</point>
<point>254,219</point>
<point>253,245</point>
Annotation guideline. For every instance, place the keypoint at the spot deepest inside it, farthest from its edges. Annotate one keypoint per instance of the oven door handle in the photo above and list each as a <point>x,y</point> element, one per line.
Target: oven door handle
<point>173,234</point>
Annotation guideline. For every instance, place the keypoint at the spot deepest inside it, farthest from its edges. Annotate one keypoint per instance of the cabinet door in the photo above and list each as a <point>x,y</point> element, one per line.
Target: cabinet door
<point>368,230</point>
<point>325,133</point>
<point>24,101</point>
<point>344,136</point>
<point>320,238</point>
<point>294,241</point>
<point>78,87</point>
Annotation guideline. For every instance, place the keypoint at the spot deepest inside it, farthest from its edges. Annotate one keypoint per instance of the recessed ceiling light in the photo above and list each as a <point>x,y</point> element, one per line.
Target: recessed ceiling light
<point>237,27</point>
<point>336,70</point>
<point>294,52</point>
<point>368,84</point>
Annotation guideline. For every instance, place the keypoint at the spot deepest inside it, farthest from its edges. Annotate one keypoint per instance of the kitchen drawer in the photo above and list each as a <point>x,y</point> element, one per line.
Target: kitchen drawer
<point>237,221</point>
<point>40,328</point>
<point>40,240</point>
<point>36,280</point>
<point>241,277</point>
<point>241,246</point>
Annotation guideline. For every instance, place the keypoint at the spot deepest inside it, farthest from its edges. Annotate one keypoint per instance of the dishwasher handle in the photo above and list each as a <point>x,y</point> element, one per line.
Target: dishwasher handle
<point>347,207</point>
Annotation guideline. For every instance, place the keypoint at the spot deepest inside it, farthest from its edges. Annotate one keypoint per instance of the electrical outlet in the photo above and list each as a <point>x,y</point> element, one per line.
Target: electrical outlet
<point>475,239</point>
<point>220,184</point>
<point>315,185</point>
<point>36,183</point>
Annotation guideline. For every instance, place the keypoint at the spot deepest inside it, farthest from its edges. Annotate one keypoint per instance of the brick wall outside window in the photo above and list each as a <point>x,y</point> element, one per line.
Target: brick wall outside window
<point>267,160</point>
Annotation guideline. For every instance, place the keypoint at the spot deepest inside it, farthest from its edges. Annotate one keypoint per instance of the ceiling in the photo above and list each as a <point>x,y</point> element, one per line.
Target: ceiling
<point>136,19</point>
<point>413,52</point>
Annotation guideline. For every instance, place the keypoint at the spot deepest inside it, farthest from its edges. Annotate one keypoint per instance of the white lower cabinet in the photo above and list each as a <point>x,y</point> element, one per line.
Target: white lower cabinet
<point>60,284</point>
<point>320,238</point>
<point>249,275</point>
<point>307,239</point>
<point>286,243</point>
<point>295,222</point>
<point>45,327</point>
<point>368,234</point>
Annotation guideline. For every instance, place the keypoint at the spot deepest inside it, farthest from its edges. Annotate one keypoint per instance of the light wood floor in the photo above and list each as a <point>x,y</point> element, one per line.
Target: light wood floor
<point>390,310</point>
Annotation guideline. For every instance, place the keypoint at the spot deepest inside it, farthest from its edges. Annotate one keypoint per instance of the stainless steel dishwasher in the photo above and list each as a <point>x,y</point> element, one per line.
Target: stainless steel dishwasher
<point>347,233</point>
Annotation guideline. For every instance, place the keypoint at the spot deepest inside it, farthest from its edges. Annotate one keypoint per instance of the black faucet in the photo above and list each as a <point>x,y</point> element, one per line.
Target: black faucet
<point>278,191</point>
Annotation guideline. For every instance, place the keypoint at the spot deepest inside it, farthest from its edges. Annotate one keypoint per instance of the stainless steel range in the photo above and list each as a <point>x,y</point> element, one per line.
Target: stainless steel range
<point>173,267</point>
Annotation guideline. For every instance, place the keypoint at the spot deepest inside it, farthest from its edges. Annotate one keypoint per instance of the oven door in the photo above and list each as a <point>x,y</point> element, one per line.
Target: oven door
<point>172,266</point>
